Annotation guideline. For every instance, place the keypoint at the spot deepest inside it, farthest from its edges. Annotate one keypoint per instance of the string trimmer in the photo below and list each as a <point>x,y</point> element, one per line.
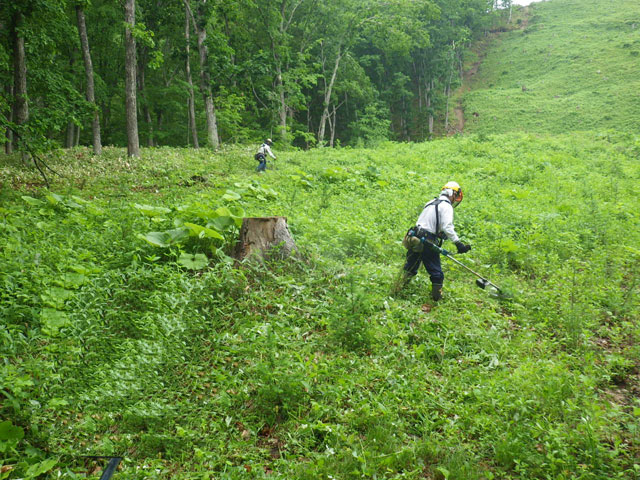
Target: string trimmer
<point>481,282</point>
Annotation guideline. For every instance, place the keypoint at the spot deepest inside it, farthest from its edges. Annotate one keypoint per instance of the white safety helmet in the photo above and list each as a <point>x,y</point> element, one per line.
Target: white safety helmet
<point>454,192</point>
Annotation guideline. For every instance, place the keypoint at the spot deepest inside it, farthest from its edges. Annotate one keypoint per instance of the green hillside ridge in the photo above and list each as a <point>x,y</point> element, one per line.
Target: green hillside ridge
<point>575,66</point>
<point>311,368</point>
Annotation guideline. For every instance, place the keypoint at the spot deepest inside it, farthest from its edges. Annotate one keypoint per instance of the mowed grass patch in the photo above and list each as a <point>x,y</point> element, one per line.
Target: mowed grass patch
<point>575,66</point>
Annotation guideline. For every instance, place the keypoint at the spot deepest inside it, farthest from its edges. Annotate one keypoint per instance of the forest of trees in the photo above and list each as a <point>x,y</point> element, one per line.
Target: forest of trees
<point>206,72</point>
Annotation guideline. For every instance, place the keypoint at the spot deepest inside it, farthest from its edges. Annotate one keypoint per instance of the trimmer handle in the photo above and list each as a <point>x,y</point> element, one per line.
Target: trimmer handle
<point>433,245</point>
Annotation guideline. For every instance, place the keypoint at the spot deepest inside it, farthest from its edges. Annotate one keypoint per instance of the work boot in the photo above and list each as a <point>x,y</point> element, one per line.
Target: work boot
<point>436,291</point>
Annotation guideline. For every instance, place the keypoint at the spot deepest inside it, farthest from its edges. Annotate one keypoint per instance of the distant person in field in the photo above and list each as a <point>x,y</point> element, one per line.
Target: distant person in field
<point>434,225</point>
<point>261,156</point>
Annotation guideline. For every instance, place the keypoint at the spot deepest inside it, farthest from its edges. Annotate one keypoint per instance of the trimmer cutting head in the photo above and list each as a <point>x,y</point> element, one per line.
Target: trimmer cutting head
<point>494,290</point>
<point>481,282</point>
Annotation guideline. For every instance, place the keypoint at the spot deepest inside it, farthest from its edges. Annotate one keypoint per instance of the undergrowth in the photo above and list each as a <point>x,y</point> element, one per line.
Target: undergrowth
<point>191,366</point>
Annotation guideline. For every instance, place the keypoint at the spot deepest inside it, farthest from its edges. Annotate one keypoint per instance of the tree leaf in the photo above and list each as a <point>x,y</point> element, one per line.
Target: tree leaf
<point>157,239</point>
<point>203,232</point>
<point>193,261</point>
<point>53,320</point>
<point>231,196</point>
<point>151,211</point>
<point>56,296</point>
<point>165,239</point>
<point>445,473</point>
<point>8,431</point>
<point>71,280</point>
<point>55,403</point>
<point>32,201</point>
<point>38,469</point>
<point>237,213</point>
<point>54,199</point>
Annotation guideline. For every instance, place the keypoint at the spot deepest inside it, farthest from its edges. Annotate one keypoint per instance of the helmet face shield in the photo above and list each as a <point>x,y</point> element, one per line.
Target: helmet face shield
<point>456,193</point>
<point>457,198</point>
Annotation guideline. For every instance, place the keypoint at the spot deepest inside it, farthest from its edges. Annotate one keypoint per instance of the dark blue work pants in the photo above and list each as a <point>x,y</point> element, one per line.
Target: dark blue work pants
<point>263,163</point>
<point>431,261</point>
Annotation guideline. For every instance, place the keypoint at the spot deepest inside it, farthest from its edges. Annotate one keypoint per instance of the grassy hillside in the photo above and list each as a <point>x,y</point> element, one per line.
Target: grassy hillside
<point>575,66</point>
<point>311,368</point>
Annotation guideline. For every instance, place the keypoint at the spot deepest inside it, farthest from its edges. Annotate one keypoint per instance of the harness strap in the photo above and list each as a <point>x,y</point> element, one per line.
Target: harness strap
<point>435,202</point>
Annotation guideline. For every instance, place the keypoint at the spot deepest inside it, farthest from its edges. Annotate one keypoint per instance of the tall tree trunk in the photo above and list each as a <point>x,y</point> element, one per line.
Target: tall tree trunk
<point>306,140</point>
<point>192,98</point>
<point>405,123</point>
<point>71,132</point>
<point>70,135</point>
<point>145,105</point>
<point>286,20</point>
<point>20,102</point>
<point>147,117</point>
<point>227,31</point>
<point>133,142</point>
<point>88,70</point>
<point>8,146</point>
<point>327,96</point>
<point>419,94</point>
<point>282,110</point>
<point>420,106</point>
<point>447,91</point>
<point>105,108</point>
<point>76,140</point>
<point>205,81</point>
<point>205,87</point>
<point>332,125</point>
<point>429,87</point>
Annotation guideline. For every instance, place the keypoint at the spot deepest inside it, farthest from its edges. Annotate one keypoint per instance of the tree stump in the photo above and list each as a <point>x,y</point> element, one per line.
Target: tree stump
<point>264,238</point>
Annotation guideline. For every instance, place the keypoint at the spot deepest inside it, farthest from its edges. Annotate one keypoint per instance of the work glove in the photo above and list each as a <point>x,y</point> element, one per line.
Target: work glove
<point>462,248</point>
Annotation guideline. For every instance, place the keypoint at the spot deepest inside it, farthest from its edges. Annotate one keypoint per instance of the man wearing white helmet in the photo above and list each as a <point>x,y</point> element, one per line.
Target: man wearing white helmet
<point>434,224</point>
<point>261,156</point>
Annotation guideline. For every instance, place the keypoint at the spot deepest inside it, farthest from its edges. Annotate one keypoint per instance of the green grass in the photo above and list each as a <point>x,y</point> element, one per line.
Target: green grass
<point>193,367</point>
<point>311,368</point>
<point>579,61</point>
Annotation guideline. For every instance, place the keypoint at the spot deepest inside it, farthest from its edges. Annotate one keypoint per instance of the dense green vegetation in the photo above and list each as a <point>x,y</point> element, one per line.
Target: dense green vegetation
<point>572,66</point>
<point>311,368</point>
<point>126,329</point>
<point>305,72</point>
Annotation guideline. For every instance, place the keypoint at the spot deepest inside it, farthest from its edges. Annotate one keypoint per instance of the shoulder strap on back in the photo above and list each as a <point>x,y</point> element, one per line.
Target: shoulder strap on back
<point>435,202</point>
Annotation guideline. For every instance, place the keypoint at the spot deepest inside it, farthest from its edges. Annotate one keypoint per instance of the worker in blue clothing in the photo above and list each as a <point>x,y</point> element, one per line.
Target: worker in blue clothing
<point>261,156</point>
<point>434,224</point>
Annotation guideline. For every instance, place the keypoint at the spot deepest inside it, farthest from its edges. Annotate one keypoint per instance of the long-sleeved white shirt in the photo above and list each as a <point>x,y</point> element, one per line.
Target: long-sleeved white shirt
<point>265,149</point>
<point>427,218</point>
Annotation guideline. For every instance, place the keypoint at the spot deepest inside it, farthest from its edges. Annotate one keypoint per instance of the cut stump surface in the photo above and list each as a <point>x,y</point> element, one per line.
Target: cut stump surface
<point>264,238</point>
